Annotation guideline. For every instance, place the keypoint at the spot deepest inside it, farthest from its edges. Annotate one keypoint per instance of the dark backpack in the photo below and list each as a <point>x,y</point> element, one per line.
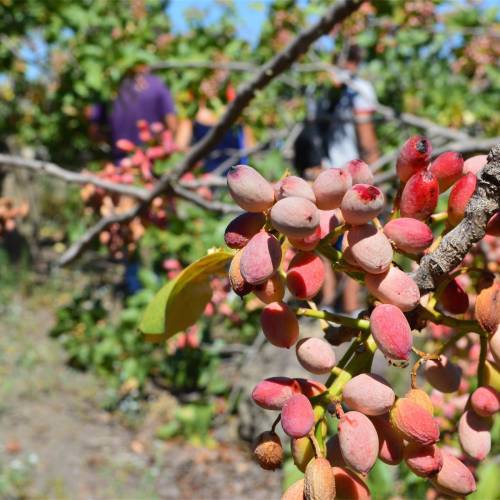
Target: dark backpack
<point>311,145</point>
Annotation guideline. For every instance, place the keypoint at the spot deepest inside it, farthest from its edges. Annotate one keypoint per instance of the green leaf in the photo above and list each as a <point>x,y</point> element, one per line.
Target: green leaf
<point>181,301</point>
<point>488,482</point>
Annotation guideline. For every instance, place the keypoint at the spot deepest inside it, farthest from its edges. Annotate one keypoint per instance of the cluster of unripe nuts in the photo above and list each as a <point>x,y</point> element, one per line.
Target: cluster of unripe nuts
<point>282,242</point>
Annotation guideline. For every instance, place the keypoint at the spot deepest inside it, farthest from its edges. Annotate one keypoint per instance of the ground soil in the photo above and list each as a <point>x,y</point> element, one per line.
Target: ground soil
<point>57,441</point>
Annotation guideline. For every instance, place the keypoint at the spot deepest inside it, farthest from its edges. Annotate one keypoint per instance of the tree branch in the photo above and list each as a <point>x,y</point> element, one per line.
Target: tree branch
<point>340,74</point>
<point>76,249</point>
<point>213,206</point>
<point>419,122</point>
<point>272,69</point>
<point>54,170</point>
<point>70,176</point>
<point>276,66</point>
<point>454,246</point>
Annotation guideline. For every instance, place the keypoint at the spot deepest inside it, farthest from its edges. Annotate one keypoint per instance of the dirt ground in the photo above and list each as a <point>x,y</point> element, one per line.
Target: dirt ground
<point>57,442</point>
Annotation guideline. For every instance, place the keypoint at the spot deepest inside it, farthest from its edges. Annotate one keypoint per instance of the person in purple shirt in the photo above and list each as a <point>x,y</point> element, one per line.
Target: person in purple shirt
<point>141,96</point>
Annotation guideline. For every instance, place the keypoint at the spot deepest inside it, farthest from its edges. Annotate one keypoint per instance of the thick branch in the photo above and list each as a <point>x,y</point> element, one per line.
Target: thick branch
<point>275,67</point>
<point>455,244</point>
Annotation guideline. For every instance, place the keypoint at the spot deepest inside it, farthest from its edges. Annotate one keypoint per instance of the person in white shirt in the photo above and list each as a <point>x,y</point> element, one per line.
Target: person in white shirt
<point>351,133</point>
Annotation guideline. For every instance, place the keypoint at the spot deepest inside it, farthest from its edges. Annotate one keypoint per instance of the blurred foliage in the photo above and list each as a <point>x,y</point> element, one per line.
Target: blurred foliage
<point>433,58</point>
<point>101,335</point>
<point>17,475</point>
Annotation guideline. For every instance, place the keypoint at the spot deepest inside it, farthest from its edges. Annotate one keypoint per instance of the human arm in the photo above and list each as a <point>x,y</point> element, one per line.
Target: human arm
<point>171,122</point>
<point>96,118</point>
<point>167,108</point>
<point>367,137</point>
<point>184,134</point>
<point>248,137</point>
<point>364,108</point>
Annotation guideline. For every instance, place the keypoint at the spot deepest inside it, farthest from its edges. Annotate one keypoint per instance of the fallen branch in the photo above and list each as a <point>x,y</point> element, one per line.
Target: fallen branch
<point>455,244</point>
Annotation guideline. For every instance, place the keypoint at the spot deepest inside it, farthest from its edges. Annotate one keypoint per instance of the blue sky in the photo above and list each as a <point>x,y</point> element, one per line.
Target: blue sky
<point>251,12</point>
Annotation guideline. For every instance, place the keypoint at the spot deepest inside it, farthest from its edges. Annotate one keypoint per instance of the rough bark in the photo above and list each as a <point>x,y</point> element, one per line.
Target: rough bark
<point>456,244</point>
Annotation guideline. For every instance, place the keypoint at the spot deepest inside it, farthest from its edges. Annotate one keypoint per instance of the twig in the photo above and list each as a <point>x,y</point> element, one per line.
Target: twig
<point>229,65</point>
<point>455,244</point>
<point>249,151</point>
<point>86,239</point>
<point>419,122</point>
<point>384,160</point>
<point>54,170</point>
<point>341,75</point>
<point>213,206</point>
<point>272,69</point>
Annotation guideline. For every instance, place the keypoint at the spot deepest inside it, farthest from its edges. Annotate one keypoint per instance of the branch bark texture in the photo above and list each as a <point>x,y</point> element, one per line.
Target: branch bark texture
<point>275,67</point>
<point>454,246</point>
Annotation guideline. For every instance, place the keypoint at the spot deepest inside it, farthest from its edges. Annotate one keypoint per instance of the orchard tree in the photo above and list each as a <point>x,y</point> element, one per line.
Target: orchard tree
<point>426,269</point>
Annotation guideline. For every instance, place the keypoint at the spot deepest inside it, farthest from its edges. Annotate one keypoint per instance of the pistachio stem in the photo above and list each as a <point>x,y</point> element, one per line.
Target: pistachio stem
<point>423,357</point>
<point>482,360</point>
<point>459,324</point>
<point>276,422</point>
<point>314,441</point>
<point>360,324</point>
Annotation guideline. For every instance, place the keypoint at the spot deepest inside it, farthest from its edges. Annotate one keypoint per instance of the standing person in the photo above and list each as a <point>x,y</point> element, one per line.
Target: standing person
<point>339,125</point>
<point>141,96</point>
<point>351,135</point>
<point>215,90</point>
<point>351,132</point>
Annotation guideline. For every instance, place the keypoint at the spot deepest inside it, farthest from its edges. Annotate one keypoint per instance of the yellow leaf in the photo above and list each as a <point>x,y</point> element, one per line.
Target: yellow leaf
<point>181,302</point>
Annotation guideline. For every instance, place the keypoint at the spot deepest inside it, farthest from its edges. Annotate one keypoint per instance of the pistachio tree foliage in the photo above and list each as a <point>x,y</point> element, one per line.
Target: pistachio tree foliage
<point>433,58</point>
<point>428,60</point>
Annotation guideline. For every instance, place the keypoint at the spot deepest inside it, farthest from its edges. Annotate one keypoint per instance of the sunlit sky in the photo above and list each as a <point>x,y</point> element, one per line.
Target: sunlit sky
<point>251,12</point>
